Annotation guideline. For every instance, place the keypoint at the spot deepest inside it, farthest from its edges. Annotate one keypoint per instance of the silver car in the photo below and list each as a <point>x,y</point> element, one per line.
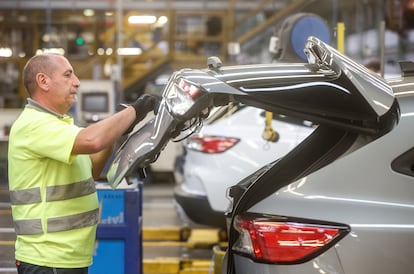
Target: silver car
<point>345,207</point>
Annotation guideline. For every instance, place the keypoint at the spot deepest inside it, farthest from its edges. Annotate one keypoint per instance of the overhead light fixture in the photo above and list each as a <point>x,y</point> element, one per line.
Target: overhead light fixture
<point>6,52</point>
<point>129,51</point>
<point>88,12</point>
<point>60,51</point>
<point>162,20</point>
<point>108,51</point>
<point>142,19</point>
<point>100,51</point>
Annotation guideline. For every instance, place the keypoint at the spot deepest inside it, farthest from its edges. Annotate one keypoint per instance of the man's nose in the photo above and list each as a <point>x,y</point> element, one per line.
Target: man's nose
<point>76,81</point>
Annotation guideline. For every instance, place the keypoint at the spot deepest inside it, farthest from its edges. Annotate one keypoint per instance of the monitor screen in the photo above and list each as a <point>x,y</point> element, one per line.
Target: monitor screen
<point>95,102</point>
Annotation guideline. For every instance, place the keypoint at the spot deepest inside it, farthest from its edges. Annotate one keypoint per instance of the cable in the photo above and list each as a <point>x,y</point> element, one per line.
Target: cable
<point>194,126</point>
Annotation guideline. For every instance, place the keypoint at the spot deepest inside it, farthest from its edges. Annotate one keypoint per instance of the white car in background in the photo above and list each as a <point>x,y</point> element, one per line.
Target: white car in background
<point>227,149</point>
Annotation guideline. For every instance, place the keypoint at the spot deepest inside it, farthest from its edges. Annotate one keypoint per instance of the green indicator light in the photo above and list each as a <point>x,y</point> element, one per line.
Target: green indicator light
<point>80,41</point>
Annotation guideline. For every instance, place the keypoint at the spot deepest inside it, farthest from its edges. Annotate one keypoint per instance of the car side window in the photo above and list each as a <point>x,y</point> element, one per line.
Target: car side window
<point>404,163</point>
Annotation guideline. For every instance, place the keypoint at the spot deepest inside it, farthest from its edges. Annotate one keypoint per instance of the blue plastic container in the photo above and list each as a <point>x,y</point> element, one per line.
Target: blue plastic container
<point>119,233</point>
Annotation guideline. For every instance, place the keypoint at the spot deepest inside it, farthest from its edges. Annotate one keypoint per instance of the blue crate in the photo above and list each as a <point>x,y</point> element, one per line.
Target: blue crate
<point>119,233</point>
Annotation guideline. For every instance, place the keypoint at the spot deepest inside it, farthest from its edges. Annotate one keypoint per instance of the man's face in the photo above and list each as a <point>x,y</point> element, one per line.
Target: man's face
<point>63,85</point>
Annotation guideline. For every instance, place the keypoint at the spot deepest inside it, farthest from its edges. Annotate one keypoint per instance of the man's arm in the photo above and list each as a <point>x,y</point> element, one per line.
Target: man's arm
<point>99,160</point>
<point>98,139</point>
<point>103,134</point>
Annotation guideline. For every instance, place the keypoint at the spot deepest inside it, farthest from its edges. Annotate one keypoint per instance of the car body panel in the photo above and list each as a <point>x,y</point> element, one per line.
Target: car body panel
<point>328,262</point>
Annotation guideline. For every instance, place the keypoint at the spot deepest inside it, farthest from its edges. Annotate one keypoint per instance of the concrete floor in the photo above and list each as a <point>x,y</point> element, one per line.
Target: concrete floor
<point>160,218</point>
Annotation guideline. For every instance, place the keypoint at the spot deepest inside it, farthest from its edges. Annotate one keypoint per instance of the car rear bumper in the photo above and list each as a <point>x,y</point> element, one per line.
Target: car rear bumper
<point>198,209</point>
<point>329,262</point>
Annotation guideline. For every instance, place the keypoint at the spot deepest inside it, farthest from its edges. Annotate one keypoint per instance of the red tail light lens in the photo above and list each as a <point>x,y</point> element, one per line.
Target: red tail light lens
<point>283,240</point>
<point>210,144</point>
<point>189,88</point>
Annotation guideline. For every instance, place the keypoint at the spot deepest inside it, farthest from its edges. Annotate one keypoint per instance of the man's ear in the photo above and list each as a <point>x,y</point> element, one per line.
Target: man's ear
<point>42,81</point>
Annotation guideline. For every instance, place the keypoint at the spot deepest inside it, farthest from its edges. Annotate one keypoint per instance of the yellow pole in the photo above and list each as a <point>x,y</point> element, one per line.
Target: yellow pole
<point>341,37</point>
<point>269,134</point>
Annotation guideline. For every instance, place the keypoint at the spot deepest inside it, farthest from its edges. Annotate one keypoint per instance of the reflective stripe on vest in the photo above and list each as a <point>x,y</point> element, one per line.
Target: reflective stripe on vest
<point>80,220</point>
<point>55,193</point>
<point>65,192</point>
<point>25,196</point>
<point>28,227</point>
<point>34,226</point>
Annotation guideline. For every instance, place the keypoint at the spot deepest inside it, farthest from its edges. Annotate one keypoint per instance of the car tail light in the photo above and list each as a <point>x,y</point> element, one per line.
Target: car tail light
<point>181,95</point>
<point>210,144</point>
<point>189,88</point>
<point>281,240</point>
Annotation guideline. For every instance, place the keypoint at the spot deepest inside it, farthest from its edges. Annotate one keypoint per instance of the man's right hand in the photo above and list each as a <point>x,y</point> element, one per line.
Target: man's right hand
<point>144,104</point>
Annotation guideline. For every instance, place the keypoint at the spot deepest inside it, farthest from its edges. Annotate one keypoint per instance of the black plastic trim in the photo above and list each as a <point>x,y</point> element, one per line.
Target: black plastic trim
<point>404,163</point>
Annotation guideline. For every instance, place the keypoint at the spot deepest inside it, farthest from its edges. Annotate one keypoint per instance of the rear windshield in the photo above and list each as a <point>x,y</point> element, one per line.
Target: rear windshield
<point>218,113</point>
<point>290,120</point>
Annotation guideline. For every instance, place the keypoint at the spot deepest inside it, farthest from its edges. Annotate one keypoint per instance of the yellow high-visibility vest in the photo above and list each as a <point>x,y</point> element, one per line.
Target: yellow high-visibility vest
<point>52,193</point>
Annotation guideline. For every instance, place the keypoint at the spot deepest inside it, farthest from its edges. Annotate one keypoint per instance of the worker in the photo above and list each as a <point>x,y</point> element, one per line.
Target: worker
<point>52,166</point>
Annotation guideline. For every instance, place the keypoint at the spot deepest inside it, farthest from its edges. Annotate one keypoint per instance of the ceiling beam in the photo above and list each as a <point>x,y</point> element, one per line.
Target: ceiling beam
<point>142,5</point>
